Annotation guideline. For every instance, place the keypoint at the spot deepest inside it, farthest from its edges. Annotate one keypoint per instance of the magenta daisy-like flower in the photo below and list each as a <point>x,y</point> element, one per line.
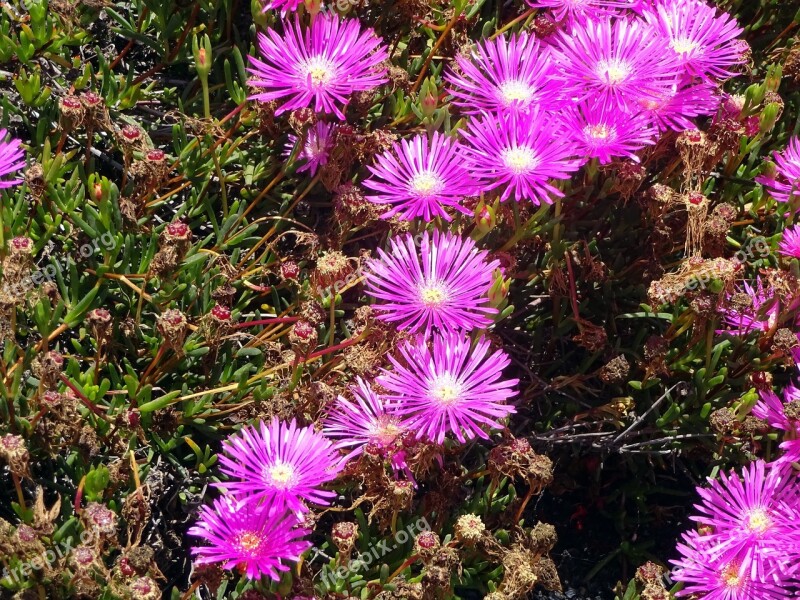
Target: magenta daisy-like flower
<point>607,133</point>
<point>520,152</point>
<point>578,10</point>
<point>675,109</point>
<point>704,43</point>
<point>319,67</point>
<point>12,159</point>
<point>773,410</point>
<point>714,578</point>
<point>449,386</point>
<point>317,144</point>
<point>436,281</point>
<point>281,460</point>
<point>790,242</point>
<point>617,62</point>
<point>751,521</point>
<point>751,308</point>
<point>785,186</point>
<point>366,421</point>
<point>421,177</point>
<point>502,74</point>
<point>259,539</point>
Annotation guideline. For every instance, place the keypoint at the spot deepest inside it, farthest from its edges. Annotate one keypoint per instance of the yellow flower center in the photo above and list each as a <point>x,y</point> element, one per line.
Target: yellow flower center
<point>730,576</point>
<point>319,69</point>
<point>519,160</point>
<point>683,45</point>
<point>614,71</point>
<point>758,521</point>
<point>433,294</point>
<point>426,183</point>
<point>281,475</point>
<point>514,90</point>
<point>446,390</point>
<point>249,541</point>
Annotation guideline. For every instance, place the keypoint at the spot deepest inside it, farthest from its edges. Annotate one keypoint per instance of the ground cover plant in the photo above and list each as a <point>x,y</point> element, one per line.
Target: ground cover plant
<point>388,299</point>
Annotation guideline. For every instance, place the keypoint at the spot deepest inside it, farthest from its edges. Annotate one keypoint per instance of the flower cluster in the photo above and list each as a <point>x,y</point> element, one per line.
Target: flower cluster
<point>275,471</point>
<point>747,544</point>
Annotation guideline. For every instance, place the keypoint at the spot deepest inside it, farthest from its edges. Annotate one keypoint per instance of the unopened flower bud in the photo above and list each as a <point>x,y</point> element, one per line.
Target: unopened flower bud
<point>499,290</point>
<point>485,218</point>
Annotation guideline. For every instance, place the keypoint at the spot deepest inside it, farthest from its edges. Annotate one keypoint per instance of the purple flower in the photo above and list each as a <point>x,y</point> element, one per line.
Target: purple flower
<point>281,461</point>
<point>749,532</point>
<point>257,538</point>
<point>674,109</point>
<point>578,10</point>
<point>12,159</point>
<point>320,66</point>
<point>366,421</point>
<point>607,133</point>
<point>714,578</point>
<point>520,152</point>
<point>441,284</point>
<point>502,74</point>
<point>785,186</point>
<point>421,177</point>
<point>751,309</point>
<point>317,144</point>
<point>790,242</point>
<point>449,386</point>
<point>619,63</point>
<point>703,43</point>
<point>772,409</point>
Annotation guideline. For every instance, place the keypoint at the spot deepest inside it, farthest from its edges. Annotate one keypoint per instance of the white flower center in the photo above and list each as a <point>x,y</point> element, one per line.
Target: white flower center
<point>514,90</point>
<point>433,294</point>
<point>599,132</point>
<point>385,430</point>
<point>683,45</point>
<point>520,160</point>
<point>281,475</point>
<point>319,69</point>
<point>758,521</point>
<point>446,390</point>
<point>426,183</point>
<point>614,71</point>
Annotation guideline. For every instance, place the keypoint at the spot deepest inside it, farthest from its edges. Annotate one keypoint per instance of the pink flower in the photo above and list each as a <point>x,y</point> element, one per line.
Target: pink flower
<point>785,186</point>
<point>281,460</point>
<point>579,10</point>
<point>12,159</point>
<point>319,67</point>
<point>674,109</point>
<point>258,538</point>
<point>315,150</point>
<point>503,74</point>
<point>449,386</point>
<point>790,242</point>
<point>607,133</point>
<point>705,45</point>
<point>519,153</point>
<point>619,63</point>
<point>755,309</point>
<point>441,284</point>
<point>366,421</point>
<point>422,177</point>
